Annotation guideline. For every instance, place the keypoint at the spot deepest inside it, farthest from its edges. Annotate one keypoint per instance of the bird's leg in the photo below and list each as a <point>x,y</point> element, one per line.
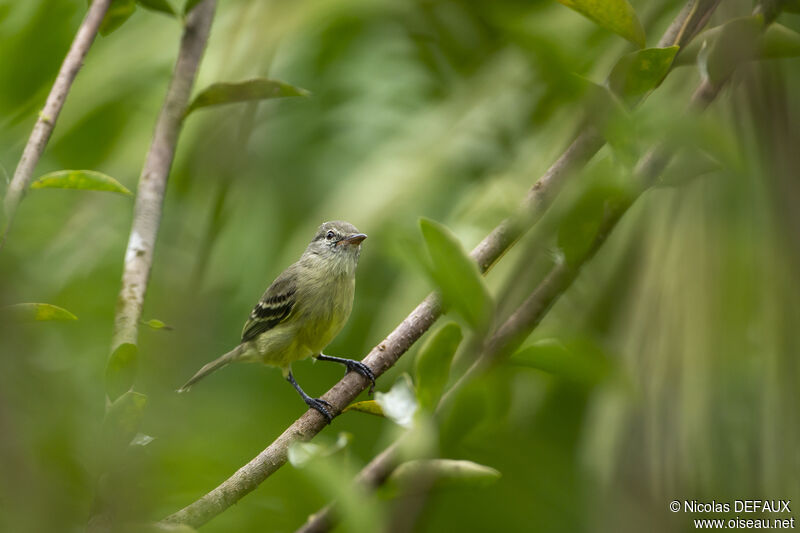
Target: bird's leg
<point>315,403</point>
<point>351,364</point>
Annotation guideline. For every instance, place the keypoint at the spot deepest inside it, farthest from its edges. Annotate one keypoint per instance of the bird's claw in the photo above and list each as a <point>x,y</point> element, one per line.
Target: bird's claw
<point>318,404</point>
<point>364,370</point>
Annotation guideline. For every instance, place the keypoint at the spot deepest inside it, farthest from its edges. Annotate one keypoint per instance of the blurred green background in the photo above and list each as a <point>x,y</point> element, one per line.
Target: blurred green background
<point>439,108</point>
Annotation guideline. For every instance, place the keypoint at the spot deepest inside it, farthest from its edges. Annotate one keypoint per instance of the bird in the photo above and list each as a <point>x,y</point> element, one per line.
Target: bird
<point>302,311</point>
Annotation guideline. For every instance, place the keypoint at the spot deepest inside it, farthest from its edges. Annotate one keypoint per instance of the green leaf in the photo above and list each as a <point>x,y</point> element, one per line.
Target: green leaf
<point>615,15</point>
<point>118,12</point>
<point>792,6</point>
<point>433,364</point>
<point>301,453</point>
<point>255,89</point>
<point>370,407</point>
<point>189,5</point>
<point>579,228</point>
<point>578,360</point>
<point>80,179</point>
<point>780,41</point>
<point>121,370</point>
<point>446,472</point>
<point>162,6</point>
<point>31,312</point>
<point>140,439</point>
<point>456,275</point>
<point>638,73</point>
<point>156,324</point>
<point>123,418</point>
<point>736,43</point>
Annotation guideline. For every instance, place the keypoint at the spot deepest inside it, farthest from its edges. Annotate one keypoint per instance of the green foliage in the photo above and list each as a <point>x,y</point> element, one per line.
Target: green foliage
<point>80,179</point>
<point>155,323</point>
<point>399,404</point>
<point>579,360</point>
<point>456,275</point>
<point>121,370</point>
<point>162,6</point>
<point>580,226</point>
<point>780,41</point>
<point>446,472</point>
<point>27,312</point>
<point>640,72</point>
<point>118,12</point>
<point>123,418</point>
<point>245,91</point>
<point>370,407</point>
<point>433,364</point>
<point>615,15</point>
<point>737,42</point>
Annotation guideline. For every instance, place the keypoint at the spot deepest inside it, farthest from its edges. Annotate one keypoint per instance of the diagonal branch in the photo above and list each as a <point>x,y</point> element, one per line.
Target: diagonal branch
<point>153,180</point>
<point>52,108</point>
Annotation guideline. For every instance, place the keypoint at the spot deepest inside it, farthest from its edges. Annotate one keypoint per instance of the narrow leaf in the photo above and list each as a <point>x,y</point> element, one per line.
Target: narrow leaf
<point>255,89</point>
<point>121,370</point>
<point>615,15</point>
<point>141,440</point>
<point>446,472</point>
<point>433,364</point>
<point>80,179</point>
<point>118,12</point>
<point>370,407</point>
<point>456,275</point>
<point>124,417</point>
<point>155,323</point>
<point>30,312</point>
<point>162,6</point>
<point>301,453</point>
<point>638,73</point>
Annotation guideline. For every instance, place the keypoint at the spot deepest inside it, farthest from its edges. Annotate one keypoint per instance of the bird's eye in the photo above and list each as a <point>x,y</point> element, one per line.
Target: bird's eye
<point>330,235</point>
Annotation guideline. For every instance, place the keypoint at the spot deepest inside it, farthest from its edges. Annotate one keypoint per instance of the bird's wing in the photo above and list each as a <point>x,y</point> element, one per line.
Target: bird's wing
<point>273,308</point>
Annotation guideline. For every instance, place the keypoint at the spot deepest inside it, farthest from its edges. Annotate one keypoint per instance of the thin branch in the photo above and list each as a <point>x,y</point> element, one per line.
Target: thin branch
<point>153,180</point>
<point>386,353</point>
<point>52,108</point>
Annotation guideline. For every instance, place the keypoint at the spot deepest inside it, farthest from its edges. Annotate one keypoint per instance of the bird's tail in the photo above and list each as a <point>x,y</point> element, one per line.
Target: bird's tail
<point>216,364</point>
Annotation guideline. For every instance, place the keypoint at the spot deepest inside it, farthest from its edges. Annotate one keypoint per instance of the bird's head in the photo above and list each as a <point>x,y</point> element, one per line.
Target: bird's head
<point>339,242</point>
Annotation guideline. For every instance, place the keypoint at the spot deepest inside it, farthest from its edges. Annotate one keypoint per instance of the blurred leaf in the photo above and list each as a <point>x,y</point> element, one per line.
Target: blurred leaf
<point>159,527</point>
<point>433,364</point>
<point>792,6</point>
<point>578,229</point>
<point>737,42</point>
<point>301,453</point>
<point>685,167</point>
<point>156,324</point>
<point>162,6</point>
<point>578,360</point>
<point>399,404</point>
<point>780,41</point>
<point>37,312</point>
<point>615,15</point>
<point>118,12</point>
<point>447,472</point>
<point>255,89</point>
<point>123,417</point>
<point>456,275</point>
<point>80,179</point>
<point>189,5</point>
<point>638,73</point>
<point>369,406</point>
<point>121,370</point>
<point>142,440</point>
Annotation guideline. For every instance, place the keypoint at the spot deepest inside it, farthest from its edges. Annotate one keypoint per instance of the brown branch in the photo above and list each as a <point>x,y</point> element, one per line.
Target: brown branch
<point>52,108</point>
<point>386,354</point>
<point>153,180</point>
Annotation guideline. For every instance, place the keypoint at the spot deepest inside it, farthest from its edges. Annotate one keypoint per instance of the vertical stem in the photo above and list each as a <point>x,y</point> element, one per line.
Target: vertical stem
<point>153,180</point>
<point>52,108</point>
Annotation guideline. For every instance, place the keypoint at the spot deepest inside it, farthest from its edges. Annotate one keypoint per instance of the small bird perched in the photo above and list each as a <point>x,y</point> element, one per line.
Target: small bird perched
<point>303,310</point>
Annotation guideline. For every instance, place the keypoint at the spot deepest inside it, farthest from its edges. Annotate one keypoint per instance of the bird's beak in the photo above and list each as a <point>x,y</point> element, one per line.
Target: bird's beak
<point>354,238</point>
